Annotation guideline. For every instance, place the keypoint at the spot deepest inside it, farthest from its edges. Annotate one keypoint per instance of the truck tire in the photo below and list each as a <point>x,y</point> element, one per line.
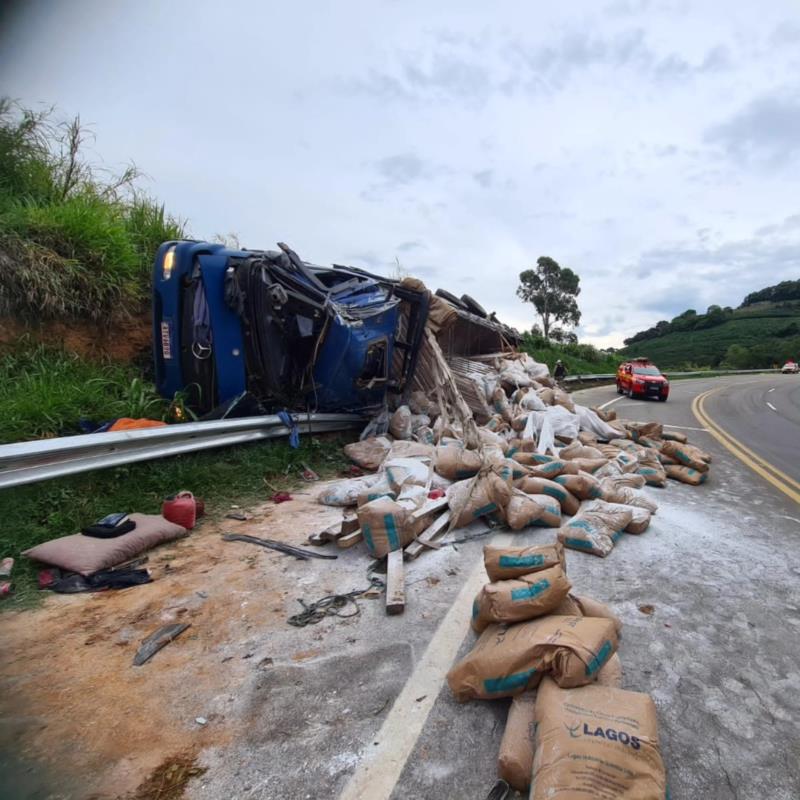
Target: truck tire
<point>451,298</point>
<point>474,306</point>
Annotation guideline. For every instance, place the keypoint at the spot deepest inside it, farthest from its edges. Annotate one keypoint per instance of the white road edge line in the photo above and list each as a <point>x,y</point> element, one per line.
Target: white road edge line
<point>771,406</point>
<point>685,428</point>
<point>610,402</point>
<point>771,390</point>
<point>378,772</point>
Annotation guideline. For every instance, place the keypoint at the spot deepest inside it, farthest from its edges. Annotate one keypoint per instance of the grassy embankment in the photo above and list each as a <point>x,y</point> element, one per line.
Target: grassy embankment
<point>752,338</point>
<point>76,244</point>
<point>579,359</point>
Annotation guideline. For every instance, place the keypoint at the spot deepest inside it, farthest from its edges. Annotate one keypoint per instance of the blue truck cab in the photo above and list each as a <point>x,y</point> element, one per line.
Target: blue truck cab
<point>294,335</point>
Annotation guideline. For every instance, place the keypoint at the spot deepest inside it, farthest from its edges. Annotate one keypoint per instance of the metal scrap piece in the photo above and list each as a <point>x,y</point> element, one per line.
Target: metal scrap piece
<point>271,544</point>
<point>158,639</point>
<point>499,791</point>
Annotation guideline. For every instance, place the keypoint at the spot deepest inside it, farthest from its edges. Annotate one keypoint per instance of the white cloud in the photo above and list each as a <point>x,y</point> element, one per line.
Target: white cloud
<point>651,147</point>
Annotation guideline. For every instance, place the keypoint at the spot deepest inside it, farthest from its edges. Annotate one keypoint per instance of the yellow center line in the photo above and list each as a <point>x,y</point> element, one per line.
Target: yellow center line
<point>759,465</point>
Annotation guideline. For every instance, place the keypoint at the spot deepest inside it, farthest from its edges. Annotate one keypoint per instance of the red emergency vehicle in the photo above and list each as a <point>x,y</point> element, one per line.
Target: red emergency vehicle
<point>639,377</point>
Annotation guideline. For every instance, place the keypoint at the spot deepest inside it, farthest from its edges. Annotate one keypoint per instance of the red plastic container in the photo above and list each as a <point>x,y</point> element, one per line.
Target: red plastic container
<point>181,509</point>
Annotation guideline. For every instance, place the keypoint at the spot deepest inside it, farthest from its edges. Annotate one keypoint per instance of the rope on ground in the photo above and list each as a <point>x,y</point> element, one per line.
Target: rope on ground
<point>332,605</point>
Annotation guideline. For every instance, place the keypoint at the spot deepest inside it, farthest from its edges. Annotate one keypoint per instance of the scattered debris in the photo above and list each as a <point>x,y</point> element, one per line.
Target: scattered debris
<point>350,539</point>
<point>272,544</point>
<point>201,720</point>
<point>647,609</point>
<point>158,639</point>
<point>237,515</point>
<point>308,474</point>
<point>499,791</point>
<point>332,605</point>
<point>6,566</point>
<point>168,781</point>
<point>395,583</point>
<point>281,497</point>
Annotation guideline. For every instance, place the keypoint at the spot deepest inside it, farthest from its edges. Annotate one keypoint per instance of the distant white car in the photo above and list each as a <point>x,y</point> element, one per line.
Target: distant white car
<point>790,368</point>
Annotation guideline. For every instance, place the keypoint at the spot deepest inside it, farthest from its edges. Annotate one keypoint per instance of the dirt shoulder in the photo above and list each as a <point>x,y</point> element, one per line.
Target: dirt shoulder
<point>72,696</point>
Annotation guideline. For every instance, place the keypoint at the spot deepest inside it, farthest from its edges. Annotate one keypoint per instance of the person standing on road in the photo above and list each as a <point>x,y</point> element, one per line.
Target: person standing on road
<point>560,371</point>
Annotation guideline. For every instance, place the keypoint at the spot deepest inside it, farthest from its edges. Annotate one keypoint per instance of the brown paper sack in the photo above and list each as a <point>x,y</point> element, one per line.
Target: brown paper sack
<point>578,450</point>
<point>583,485</point>
<point>400,423</point>
<point>614,493</point>
<point>594,608</point>
<point>595,532</point>
<point>652,470</point>
<point>550,469</point>
<point>370,453</point>
<point>687,455</point>
<point>640,517</point>
<point>515,759</point>
<point>569,503</point>
<point>685,474</point>
<point>469,500</point>
<point>504,563</point>
<point>386,525</point>
<point>508,659</point>
<point>569,608</point>
<point>589,465</point>
<point>456,463</point>
<point>596,742</point>
<point>610,673</point>
<point>532,509</point>
<point>520,598</point>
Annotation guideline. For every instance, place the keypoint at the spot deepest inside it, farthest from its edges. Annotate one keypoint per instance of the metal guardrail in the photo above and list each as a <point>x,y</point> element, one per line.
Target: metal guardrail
<point>29,462</point>
<point>710,373</point>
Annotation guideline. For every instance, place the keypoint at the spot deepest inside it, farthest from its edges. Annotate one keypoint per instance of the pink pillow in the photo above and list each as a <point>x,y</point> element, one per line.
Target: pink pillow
<point>85,554</point>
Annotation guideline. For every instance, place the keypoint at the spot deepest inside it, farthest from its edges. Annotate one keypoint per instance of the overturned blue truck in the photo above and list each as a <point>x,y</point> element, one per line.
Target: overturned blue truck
<point>292,335</point>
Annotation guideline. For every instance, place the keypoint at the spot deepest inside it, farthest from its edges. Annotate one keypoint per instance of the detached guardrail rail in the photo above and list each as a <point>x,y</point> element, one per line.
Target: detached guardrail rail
<point>29,462</point>
<point>710,373</point>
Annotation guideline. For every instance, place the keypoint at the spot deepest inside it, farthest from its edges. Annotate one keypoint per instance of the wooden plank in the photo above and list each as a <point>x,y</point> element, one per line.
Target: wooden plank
<point>395,583</point>
<point>350,539</point>
<point>349,525</point>
<point>430,507</point>
<point>330,534</point>
<point>434,531</point>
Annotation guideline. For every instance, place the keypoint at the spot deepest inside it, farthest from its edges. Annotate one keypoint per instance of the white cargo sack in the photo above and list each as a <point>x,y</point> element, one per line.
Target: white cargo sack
<point>346,492</point>
<point>589,421</point>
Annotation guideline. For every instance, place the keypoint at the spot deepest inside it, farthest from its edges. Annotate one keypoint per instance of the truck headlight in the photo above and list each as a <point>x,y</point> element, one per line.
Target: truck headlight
<point>168,264</point>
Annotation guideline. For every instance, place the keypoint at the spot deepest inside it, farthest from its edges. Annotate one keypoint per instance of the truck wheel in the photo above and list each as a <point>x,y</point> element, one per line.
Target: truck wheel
<point>630,393</point>
<point>662,399</point>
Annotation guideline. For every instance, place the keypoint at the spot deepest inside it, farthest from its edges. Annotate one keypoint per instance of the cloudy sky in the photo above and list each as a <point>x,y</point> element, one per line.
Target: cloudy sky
<point>654,147</point>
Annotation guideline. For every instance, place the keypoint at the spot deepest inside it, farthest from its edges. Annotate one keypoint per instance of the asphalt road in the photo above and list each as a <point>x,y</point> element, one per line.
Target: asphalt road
<point>367,714</point>
<point>372,718</point>
<point>720,654</point>
<point>764,414</point>
<point>760,412</point>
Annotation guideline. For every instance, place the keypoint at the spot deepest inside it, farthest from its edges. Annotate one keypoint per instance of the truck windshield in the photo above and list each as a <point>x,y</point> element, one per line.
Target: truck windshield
<point>645,371</point>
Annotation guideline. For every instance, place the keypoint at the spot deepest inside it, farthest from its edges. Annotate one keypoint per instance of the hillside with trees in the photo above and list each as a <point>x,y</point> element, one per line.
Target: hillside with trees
<point>762,332</point>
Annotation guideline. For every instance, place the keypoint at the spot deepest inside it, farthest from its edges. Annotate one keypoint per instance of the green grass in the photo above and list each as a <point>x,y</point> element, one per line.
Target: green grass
<point>45,391</point>
<point>710,346</point>
<point>579,359</point>
<point>38,512</point>
<point>74,242</point>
